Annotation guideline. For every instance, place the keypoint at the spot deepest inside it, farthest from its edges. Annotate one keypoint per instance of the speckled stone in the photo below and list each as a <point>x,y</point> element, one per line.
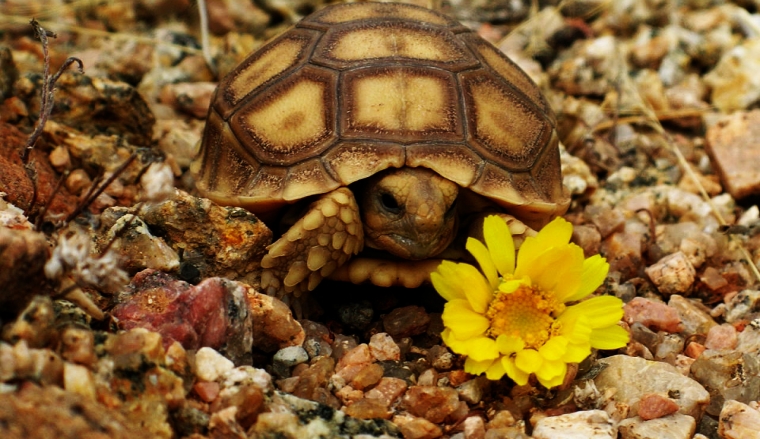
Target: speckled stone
<point>632,378</point>
<point>739,421</point>
<point>590,424</point>
<point>675,426</point>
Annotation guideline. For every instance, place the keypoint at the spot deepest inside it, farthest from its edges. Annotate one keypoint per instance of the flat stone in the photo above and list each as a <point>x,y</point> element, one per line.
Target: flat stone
<point>590,424</point>
<point>632,378</point>
<point>675,426</point>
<point>732,146</point>
<point>739,421</point>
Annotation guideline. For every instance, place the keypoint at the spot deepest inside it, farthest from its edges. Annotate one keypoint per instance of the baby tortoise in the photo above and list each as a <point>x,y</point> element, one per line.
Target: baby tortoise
<point>377,125</point>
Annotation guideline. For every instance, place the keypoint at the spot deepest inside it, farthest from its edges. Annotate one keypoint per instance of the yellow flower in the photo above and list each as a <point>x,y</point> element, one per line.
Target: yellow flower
<point>511,317</point>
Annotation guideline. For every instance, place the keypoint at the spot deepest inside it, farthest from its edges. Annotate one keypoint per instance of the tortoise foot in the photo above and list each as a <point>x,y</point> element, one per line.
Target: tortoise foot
<point>327,236</point>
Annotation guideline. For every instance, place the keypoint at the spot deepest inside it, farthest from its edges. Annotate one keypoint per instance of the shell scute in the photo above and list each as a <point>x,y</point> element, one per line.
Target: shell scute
<point>357,88</point>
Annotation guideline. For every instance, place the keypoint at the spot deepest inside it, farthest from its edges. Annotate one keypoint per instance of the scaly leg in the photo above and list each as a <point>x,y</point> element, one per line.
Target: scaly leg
<point>327,236</point>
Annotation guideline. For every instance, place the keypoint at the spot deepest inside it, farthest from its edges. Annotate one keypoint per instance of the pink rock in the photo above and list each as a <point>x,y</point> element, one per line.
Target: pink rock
<point>654,315</point>
<point>206,391</point>
<point>653,406</point>
<point>383,348</point>
<point>722,337</point>
<point>212,314</point>
<point>359,355</point>
<point>387,390</point>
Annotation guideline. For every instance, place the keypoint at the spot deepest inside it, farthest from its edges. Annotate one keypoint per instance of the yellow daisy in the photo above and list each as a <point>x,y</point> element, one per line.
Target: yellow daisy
<point>510,317</point>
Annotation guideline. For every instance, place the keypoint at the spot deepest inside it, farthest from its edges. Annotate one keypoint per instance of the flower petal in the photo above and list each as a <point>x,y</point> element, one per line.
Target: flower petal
<point>552,374</point>
<point>612,337</point>
<point>556,233</point>
<point>600,311</point>
<point>528,360</point>
<point>463,321</point>
<point>476,367</point>
<point>518,376</point>
<point>595,270</point>
<point>456,345</point>
<point>554,348</point>
<point>482,348</point>
<point>557,270</point>
<point>508,344</point>
<point>500,244</point>
<point>481,254</point>
<point>551,370</point>
<point>576,352</point>
<point>496,371</point>
<point>479,292</point>
<point>446,288</point>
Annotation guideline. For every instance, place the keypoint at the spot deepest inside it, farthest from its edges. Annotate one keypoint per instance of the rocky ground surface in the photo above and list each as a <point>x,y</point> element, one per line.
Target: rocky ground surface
<point>130,309</point>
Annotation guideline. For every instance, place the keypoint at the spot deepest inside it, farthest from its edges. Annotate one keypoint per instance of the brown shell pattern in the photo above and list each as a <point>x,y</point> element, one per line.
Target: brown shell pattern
<point>357,88</point>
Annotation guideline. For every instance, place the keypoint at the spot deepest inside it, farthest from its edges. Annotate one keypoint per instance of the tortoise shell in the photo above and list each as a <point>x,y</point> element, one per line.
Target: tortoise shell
<point>354,89</point>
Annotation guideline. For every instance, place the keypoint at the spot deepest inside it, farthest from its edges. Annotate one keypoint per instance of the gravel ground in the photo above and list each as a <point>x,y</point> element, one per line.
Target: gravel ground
<point>130,307</point>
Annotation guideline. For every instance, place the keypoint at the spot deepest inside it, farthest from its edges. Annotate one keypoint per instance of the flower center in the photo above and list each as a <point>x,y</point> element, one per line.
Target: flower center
<point>526,313</point>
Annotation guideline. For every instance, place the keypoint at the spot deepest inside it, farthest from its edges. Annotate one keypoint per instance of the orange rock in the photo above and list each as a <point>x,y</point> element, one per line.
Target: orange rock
<point>368,409</point>
<point>653,406</point>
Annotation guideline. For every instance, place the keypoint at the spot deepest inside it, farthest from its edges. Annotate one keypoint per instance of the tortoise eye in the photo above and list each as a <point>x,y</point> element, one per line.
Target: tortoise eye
<point>389,203</point>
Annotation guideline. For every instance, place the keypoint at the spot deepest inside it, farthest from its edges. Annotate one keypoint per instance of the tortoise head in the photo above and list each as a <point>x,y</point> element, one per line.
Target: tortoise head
<point>409,212</point>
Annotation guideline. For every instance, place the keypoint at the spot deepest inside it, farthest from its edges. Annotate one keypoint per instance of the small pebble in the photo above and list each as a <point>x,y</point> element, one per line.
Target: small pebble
<point>207,391</point>
<point>722,337</point>
<point>591,424</point>
<point>653,405</point>
<point>654,315</point>
<point>474,428</point>
<point>413,427</point>
<point>78,379</point>
<point>675,426</point>
<point>291,356</point>
<point>210,364</point>
<point>406,321</point>
<point>739,421</point>
<point>383,348</point>
<point>673,274</point>
<point>387,390</point>
<point>431,402</point>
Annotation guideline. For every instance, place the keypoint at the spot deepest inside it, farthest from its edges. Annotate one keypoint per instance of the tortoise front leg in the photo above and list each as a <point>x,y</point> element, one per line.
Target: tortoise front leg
<point>327,236</point>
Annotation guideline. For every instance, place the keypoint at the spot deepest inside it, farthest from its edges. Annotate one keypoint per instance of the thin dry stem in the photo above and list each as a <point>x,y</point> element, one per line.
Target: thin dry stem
<point>205,45</point>
<point>94,193</point>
